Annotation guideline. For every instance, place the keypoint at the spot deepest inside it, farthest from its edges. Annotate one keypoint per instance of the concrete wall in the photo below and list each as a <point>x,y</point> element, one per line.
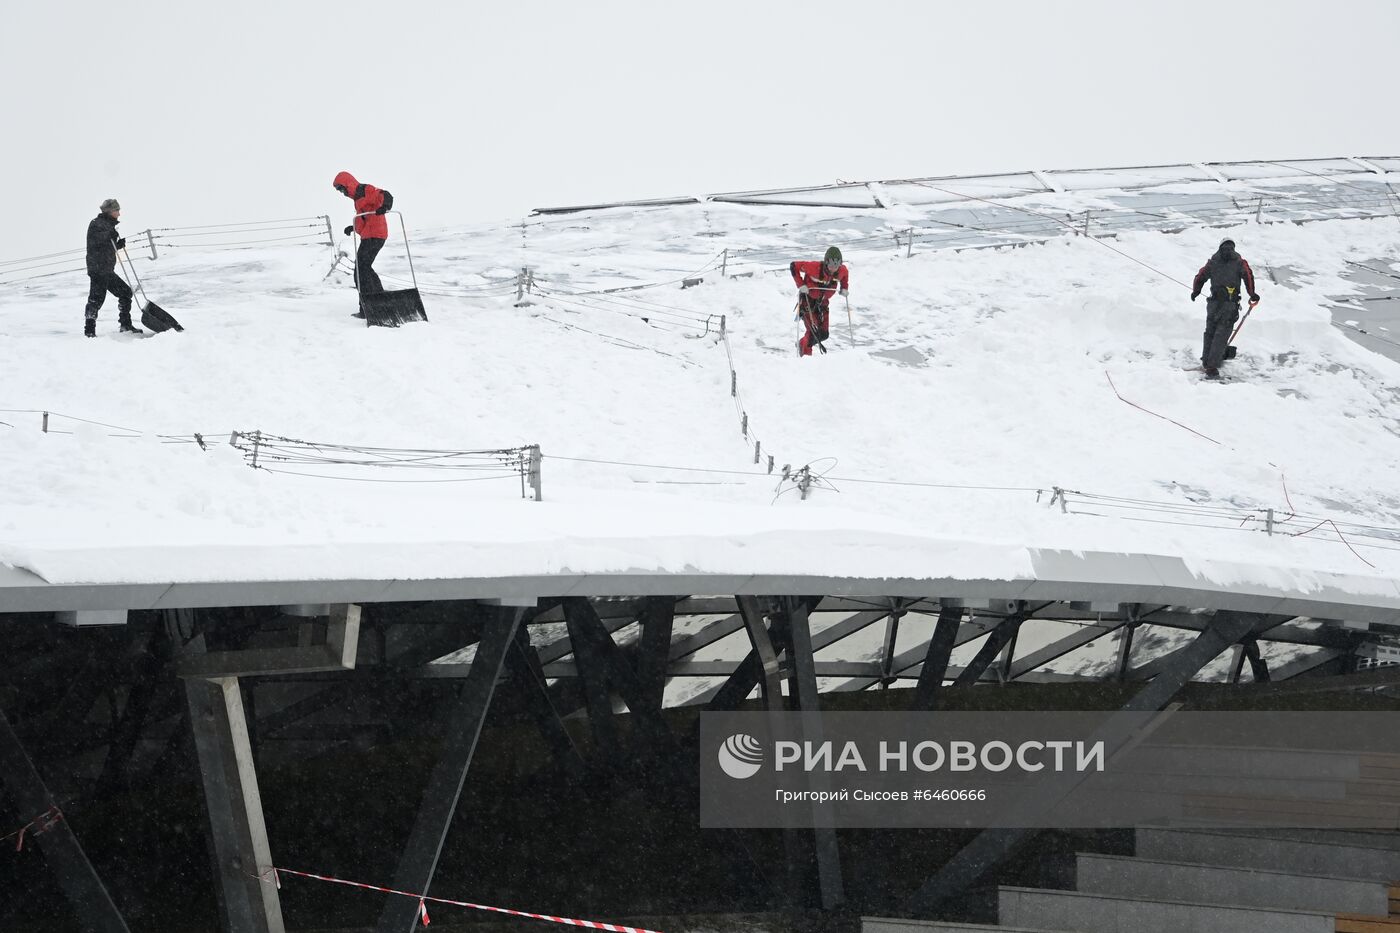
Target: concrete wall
<point>1097,913</point>
<point>1241,887</point>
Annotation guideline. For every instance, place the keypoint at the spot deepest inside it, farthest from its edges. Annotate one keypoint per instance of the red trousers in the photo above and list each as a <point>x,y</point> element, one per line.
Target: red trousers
<point>815,319</point>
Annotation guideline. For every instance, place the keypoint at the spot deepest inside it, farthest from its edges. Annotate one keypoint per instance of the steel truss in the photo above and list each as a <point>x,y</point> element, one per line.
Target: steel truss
<point>254,677</point>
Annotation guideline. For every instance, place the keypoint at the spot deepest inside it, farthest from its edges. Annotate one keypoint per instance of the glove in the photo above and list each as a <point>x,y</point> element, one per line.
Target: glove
<point>802,290</point>
<point>350,229</point>
<point>1253,299</point>
<point>381,210</point>
<point>844,292</point>
<point>121,244</point>
<point>1195,295</point>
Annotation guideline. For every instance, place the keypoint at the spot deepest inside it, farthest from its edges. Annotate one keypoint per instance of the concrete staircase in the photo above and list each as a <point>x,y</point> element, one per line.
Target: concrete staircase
<point>1208,881</point>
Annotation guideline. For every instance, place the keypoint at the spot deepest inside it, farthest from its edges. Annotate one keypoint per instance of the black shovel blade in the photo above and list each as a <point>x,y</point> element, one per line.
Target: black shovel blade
<point>390,309</point>
<point>1230,353</point>
<point>158,319</point>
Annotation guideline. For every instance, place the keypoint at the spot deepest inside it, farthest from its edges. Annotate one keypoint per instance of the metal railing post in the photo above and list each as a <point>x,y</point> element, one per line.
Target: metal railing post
<point>330,233</point>
<point>536,480</point>
<point>151,242</point>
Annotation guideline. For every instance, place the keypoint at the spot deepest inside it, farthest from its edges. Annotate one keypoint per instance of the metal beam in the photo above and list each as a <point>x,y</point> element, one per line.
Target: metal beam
<point>658,618</point>
<point>765,648</point>
<point>247,899</point>
<point>804,679</point>
<point>92,905</point>
<point>593,679</point>
<point>589,633</point>
<point>337,654</point>
<point>992,846</point>
<point>999,638</point>
<point>420,857</point>
<point>909,663</point>
<point>721,628</point>
<point>1063,646</point>
<point>940,647</point>
<point>525,670</point>
<point>1257,665</point>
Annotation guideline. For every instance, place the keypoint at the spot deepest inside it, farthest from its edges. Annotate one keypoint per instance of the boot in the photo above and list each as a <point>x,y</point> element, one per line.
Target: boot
<point>90,327</point>
<point>126,326</point>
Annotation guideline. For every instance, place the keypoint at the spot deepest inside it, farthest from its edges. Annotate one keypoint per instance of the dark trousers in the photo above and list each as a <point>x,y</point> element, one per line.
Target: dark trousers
<point>1221,315</point>
<point>366,279</point>
<point>99,286</point>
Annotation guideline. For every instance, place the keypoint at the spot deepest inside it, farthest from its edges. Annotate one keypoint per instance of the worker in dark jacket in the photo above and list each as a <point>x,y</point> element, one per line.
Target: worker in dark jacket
<point>102,246</point>
<point>1229,276</point>
<point>816,283</point>
<point>371,204</point>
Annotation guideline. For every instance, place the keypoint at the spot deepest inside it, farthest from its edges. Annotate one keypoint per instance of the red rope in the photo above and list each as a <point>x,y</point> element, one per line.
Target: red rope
<point>1154,414</point>
<point>1342,537</point>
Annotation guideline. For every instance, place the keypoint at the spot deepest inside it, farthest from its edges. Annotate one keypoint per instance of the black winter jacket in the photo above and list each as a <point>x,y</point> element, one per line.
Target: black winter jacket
<point>1225,277</point>
<point>101,252</point>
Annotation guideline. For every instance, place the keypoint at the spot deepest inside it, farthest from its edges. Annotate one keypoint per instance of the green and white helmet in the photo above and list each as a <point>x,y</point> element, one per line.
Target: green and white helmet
<point>832,255</point>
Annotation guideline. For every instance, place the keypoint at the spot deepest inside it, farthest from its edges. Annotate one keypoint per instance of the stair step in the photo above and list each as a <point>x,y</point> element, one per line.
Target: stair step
<point>896,925</point>
<point>1103,913</point>
<point>1228,885</point>
<point>1270,853</point>
<point>1358,923</point>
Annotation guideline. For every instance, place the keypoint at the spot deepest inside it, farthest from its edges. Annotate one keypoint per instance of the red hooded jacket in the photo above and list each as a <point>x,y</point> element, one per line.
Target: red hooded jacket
<point>821,285</point>
<point>368,199</point>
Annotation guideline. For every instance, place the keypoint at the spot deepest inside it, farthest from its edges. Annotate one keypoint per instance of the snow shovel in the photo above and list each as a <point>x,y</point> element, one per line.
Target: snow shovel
<point>1230,351</point>
<point>153,316</point>
<point>392,308</point>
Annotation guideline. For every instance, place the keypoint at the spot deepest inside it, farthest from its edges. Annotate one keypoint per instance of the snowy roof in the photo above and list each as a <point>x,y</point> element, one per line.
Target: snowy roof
<point>990,421</point>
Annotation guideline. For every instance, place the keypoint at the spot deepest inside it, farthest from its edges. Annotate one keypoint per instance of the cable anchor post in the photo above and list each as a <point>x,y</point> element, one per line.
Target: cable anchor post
<point>804,481</point>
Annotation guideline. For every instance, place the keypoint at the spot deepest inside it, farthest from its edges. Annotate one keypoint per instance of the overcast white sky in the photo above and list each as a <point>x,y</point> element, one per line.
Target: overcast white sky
<point>193,112</point>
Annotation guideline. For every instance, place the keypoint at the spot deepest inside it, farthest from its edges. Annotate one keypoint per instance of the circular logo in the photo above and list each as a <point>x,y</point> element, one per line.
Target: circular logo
<point>740,756</point>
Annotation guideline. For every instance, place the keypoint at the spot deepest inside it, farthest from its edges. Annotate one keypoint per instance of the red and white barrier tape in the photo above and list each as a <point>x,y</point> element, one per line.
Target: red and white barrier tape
<point>41,824</point>
<point>423,898</point>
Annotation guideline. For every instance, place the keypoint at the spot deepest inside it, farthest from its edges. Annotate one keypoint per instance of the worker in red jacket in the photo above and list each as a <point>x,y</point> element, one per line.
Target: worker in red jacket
<point>816,283</point>
<point>371,204</point>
